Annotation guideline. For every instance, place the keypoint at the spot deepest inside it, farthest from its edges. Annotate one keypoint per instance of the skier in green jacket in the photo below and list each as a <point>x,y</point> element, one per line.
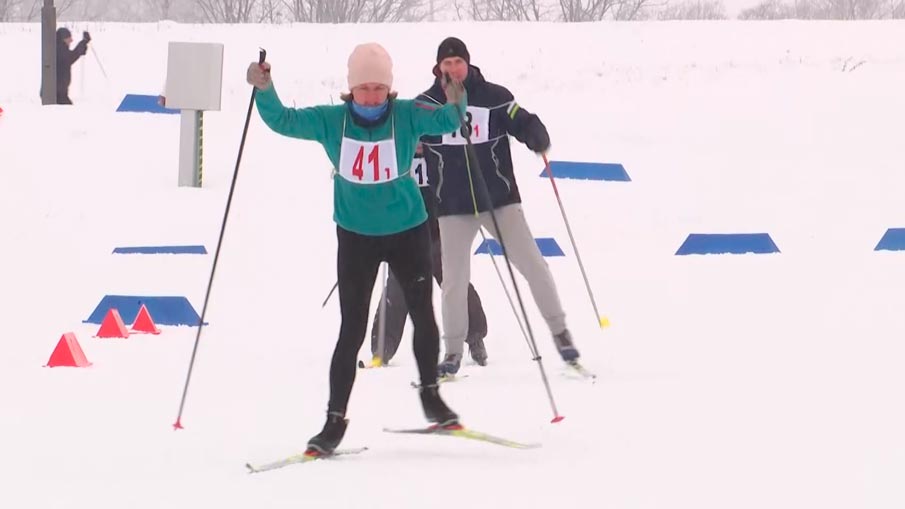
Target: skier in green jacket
<point>378,210</point>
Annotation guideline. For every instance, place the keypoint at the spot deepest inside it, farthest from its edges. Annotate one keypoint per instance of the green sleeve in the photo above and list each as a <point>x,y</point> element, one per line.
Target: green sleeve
<point>431,120</point>
<point>305,123</point>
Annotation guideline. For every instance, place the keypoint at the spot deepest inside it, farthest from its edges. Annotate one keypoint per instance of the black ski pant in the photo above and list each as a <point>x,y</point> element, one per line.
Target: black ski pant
<point>358,259</point>
<point>396,310</point>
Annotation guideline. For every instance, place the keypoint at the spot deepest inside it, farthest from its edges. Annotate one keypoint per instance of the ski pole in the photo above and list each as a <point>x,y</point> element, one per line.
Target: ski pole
<point>178,424</point>
<point>471,153</point>
<point>506,290</point>
<point>382,319</point>
<point>93,52</point>
<point>330,294</point>
<point>603,321</point>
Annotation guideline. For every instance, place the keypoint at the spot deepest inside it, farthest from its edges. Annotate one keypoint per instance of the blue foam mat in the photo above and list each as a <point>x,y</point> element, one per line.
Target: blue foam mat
<point>587,171</point>
<point>547,246</point>
<point>174,310</point>
<point>160,250</point>
<point>728,243</point>
<point>136,103</point>
<point>893,240</point>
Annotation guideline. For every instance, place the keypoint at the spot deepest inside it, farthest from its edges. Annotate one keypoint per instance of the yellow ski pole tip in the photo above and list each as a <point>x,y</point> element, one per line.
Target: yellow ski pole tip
<point>604,322</point>
<point>376,362</point>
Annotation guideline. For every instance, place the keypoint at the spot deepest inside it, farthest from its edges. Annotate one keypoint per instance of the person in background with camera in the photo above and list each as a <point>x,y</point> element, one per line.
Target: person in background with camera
<point>65,58</point>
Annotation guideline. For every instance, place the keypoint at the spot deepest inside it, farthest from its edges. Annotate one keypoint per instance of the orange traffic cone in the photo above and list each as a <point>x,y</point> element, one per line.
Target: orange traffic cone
<point>144,323</point>
<point>68,353</point>
<point>112,326</point>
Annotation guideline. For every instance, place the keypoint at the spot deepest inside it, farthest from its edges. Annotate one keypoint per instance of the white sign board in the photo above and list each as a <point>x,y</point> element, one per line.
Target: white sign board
<point>194,76</point>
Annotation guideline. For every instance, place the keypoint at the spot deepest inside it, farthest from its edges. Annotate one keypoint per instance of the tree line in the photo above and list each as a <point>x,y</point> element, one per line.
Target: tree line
<point>390,11</point>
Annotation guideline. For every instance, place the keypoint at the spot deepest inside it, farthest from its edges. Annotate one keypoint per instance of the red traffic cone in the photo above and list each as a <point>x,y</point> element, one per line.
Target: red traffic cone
<point>143,322</point>
<point>112,326</point>
<point>68,353</point>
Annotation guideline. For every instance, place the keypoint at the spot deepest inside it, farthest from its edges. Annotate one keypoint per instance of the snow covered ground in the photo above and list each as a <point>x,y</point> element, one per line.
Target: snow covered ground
<point>725,381</point>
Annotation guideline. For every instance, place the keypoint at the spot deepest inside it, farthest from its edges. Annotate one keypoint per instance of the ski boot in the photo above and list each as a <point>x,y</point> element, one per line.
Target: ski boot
<point>477,350</point>
<point>566,348</point>
<point>450,365</point>
<point>325,442</point>
<point>435,410</point>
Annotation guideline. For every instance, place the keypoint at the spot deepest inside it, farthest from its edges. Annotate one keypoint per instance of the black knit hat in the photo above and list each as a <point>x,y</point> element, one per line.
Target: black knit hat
<point>452,47</point>
<point>63,33</point>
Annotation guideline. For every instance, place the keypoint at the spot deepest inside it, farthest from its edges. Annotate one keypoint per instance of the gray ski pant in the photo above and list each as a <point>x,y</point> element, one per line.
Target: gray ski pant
<point>458,233</point>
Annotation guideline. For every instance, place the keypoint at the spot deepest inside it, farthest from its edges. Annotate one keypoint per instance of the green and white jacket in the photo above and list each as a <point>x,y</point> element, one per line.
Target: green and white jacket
<point>373,190</point>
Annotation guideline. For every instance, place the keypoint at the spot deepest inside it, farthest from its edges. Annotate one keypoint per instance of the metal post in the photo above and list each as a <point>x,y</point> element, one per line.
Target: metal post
<point>48,53</point>
<point>190,148</point>
<point>200,160</point>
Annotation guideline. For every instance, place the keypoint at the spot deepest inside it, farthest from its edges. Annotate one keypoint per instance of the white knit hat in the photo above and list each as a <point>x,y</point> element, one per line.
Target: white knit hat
<point>370,63</point>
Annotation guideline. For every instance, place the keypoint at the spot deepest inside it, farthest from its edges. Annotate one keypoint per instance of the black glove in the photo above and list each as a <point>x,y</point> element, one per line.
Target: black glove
<point>86,37</point>
<point>537,139</point>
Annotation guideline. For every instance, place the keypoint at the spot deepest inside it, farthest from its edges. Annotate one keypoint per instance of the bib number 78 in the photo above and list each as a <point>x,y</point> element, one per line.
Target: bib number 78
<point>477,120</point>
<point>467,129</point>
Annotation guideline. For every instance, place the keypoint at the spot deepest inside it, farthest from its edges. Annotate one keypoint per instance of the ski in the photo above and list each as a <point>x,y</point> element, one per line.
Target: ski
<point>457,430</point>
<point>375,363</point>
<point>305,457</point>
<point>441,380</point>
<point>581,371</point>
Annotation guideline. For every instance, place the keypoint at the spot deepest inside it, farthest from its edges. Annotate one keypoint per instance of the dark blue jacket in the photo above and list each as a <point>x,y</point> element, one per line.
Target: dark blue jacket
<point>65,59</point>
<point>493,115</point>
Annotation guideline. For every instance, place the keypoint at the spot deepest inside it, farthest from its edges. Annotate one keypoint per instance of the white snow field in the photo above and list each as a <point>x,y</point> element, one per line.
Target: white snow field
<point>725,381</point>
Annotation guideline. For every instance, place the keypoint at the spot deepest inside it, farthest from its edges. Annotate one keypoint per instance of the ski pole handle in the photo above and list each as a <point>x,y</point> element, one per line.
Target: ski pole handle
<point>262,55</point>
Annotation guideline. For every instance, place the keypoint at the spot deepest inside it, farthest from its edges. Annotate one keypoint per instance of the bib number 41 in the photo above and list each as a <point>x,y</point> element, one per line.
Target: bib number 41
<point>373,160</point>
<point>364,162</point>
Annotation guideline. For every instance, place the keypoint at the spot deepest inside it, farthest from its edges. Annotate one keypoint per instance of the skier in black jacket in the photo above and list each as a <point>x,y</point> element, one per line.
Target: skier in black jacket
<point>492,116</point>
<point>65,59</point>
<point>394,299</point>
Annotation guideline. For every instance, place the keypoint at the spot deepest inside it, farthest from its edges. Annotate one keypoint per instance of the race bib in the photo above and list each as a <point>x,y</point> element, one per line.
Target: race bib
<point>419,172</point>
<point>477,122</point>
<point>368,162</point>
